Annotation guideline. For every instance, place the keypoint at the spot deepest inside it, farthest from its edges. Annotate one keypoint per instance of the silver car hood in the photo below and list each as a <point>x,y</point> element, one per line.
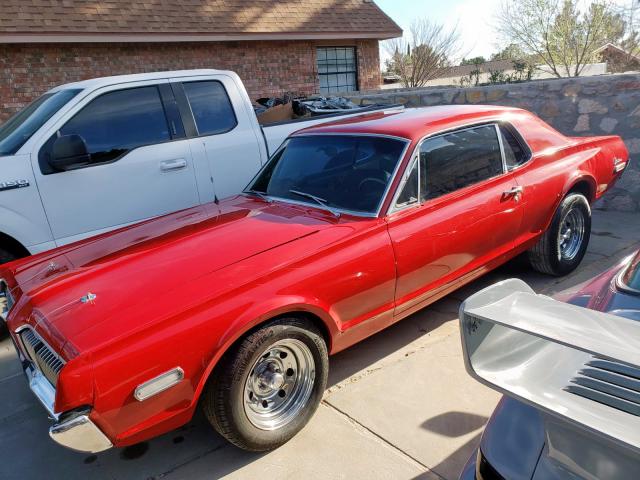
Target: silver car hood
<point>579,367</point>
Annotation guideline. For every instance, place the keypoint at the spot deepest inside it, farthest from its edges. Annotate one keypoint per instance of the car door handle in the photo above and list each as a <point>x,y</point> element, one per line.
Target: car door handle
<point>171,165</point>
<point>515,193</point>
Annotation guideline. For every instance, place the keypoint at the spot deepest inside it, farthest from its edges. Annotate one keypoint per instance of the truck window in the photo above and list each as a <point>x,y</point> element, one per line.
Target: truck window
<point>18,129</point>
<point>211,107</point>
<point>117,122</point>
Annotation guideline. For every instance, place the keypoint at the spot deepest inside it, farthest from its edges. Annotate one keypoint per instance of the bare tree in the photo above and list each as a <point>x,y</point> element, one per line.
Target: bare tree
<point>629,42</point>
<point>426,54</point>
<point>557,33</point>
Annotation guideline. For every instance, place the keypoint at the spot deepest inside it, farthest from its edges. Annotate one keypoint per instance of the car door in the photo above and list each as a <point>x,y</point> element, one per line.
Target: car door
<point>457,210</point>
<point>140,164</point>
<point>222,131</point>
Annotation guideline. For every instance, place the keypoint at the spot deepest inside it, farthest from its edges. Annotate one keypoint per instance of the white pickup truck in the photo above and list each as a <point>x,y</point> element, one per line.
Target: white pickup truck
<point>96,155</point>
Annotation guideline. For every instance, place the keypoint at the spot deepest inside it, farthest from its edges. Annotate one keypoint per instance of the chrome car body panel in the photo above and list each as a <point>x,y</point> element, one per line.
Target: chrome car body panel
<point>562,437</point>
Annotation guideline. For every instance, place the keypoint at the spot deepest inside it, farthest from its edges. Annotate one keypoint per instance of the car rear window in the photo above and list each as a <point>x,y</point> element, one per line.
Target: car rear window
<point>631,276</point>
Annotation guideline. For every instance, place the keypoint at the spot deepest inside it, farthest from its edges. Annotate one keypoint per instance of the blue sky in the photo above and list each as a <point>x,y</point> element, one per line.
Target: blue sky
<point>473,17</point>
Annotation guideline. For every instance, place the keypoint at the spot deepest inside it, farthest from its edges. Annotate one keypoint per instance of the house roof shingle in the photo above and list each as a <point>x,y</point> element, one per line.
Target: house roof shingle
<point>223,19</point>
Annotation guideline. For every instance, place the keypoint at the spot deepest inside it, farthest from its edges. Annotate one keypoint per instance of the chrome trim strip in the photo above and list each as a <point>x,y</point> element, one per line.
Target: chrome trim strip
<point>139,391</point>
<point>79,433</point>
<point>505,169</point>
<point>620,283</point>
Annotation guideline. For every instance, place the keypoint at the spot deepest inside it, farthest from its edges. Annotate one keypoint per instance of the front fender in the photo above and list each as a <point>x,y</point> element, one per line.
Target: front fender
<point>263,312</point>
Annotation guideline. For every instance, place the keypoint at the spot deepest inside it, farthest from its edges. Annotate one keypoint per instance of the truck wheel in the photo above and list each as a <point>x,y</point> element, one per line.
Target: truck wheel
<point>6,256</point>
<point>265,390</point>
<point>562,247</point>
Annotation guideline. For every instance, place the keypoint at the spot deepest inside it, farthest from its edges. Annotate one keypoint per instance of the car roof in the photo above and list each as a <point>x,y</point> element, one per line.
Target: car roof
<point>94,83</point>
<point>415,123</point>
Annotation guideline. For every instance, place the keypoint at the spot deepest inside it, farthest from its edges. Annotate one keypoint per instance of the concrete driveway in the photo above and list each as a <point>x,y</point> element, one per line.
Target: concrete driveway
<point>399,405</point>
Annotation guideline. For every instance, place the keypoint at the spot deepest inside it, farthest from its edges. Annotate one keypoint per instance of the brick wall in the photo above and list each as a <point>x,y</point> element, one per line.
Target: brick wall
<point>598,105</point>
<point>267,68</point>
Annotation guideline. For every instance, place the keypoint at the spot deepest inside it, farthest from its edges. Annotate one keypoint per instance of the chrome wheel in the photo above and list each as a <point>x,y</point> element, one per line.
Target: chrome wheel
<point>571,234</point>
<point>279,384</point>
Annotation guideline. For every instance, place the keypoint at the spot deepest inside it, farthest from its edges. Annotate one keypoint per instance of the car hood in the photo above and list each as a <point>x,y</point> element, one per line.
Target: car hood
<point>140,263</point>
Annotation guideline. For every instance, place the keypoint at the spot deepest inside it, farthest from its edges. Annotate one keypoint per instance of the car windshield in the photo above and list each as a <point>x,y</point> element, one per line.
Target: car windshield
<point>631,276</point>
<point>19,128</point>
<point>342,172</point>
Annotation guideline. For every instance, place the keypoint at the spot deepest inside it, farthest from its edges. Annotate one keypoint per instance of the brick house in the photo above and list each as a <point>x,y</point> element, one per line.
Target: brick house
<point>276,46</point>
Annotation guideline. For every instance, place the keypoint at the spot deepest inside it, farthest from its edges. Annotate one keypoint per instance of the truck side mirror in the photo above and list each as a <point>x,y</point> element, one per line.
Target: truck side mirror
<point>69,151</point>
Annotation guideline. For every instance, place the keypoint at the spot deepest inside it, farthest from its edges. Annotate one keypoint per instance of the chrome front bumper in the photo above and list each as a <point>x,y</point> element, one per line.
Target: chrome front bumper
<point>73,429</point>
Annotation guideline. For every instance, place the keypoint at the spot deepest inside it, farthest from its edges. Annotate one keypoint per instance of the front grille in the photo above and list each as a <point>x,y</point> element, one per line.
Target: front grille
<point>44,358</point>
<point>609,383</point>
<point>6,299</point>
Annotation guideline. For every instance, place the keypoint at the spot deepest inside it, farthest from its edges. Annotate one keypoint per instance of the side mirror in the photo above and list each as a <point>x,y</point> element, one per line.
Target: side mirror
<point>69,151</point>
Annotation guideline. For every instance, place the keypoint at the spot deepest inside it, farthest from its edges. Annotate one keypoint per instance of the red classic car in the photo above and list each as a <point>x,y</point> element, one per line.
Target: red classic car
<point>236,305</point>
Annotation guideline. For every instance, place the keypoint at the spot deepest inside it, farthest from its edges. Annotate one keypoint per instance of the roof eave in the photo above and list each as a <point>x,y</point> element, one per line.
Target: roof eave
<point>98,37</point>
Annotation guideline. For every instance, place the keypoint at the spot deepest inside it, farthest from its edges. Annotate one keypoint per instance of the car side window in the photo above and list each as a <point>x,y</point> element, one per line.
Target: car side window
<point>211,107</point>
<point>409,193</point>
<point>456,160</point>
<point>117,122</point>
<point>514,152</point>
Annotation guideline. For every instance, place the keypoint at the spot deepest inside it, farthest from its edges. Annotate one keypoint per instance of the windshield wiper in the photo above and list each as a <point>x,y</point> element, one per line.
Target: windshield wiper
<point>262,195</point>
<point>319,200</point>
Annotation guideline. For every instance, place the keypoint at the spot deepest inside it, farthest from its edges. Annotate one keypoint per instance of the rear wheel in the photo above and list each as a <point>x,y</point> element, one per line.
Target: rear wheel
<point>562,247</point>
<point>267,388</point>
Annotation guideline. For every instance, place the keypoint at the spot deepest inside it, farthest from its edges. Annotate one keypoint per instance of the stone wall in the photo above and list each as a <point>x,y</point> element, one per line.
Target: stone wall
<point>601,105</point>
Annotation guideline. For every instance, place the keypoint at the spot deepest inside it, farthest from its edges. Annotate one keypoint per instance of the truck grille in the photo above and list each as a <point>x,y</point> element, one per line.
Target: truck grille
<point>610,383</point>
<point>44,358</point>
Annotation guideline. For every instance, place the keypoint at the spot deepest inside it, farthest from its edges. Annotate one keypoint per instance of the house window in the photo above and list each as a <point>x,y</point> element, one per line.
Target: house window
<point>337,69</point>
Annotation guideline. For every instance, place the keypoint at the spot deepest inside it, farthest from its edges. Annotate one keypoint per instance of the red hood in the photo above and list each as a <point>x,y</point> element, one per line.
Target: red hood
<point>139,263</point>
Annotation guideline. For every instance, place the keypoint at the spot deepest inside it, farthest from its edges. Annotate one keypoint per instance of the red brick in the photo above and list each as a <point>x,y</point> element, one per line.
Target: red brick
<point>267,68</point>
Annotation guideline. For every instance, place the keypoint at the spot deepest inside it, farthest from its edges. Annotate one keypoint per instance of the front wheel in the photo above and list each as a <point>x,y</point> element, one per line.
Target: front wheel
<point>562,247</point>
<point>5,256</point>
<point>268,387</point>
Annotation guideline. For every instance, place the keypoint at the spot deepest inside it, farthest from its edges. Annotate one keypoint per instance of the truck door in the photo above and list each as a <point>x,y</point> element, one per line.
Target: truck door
<point>216,117</point>
<point>139,163</point>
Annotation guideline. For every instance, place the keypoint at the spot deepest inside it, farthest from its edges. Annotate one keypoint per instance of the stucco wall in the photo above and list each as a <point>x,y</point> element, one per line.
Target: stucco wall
<point>600,105</point>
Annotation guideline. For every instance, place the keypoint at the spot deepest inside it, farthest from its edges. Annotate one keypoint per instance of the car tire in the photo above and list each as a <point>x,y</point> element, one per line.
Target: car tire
<point>269,385</point>
<point>563,246</point>
<point>6,256</point>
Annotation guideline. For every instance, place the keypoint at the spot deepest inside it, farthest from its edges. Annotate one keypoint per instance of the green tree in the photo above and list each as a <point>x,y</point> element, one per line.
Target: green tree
<point>511,52</point>
<point>558,33</point>
<point>473,61</point>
